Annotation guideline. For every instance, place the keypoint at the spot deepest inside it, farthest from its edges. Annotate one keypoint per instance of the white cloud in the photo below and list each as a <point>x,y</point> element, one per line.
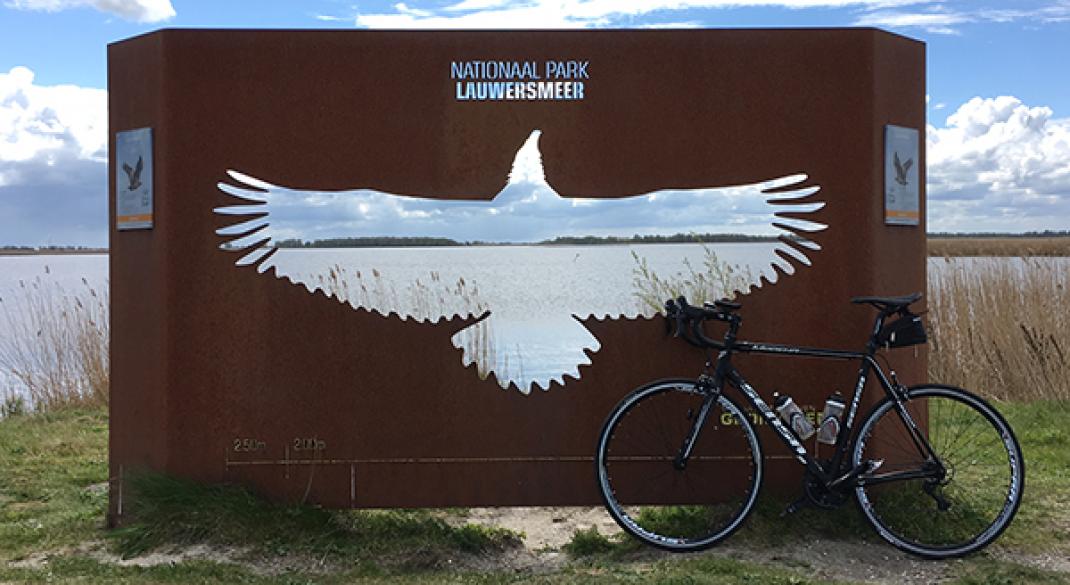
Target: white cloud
<point>576,13</point>
<point>1057,12</point>
<point>945,17</point>
<point>933,22</point>
<point>999,164</point>
<point>933,16</point>
<point>53,159</point>
<point>47,122</point>
<point>137,10</point>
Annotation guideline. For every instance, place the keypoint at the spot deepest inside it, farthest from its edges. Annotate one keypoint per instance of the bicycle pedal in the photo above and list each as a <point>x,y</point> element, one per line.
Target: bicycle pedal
<point>794,507</point>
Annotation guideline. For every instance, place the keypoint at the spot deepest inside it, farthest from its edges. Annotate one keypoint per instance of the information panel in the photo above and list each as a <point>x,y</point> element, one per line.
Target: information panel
<point>901,176</point>
<point>133,179</point>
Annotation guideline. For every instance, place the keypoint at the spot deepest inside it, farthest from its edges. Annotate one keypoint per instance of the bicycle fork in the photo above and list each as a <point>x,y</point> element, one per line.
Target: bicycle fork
<point>712,392</point>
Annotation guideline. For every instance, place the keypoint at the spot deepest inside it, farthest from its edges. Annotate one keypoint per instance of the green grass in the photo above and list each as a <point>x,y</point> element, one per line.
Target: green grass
<point>52,503</point>
<point>1041,525</point>
<point>590,542</point>
<point>1043,521</point>
<point>53,470</point>
<point>170,511</point>
<point>990,572</point>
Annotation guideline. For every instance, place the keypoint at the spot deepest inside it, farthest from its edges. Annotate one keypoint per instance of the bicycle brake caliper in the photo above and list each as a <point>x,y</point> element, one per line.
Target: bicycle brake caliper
<point>706,384</point>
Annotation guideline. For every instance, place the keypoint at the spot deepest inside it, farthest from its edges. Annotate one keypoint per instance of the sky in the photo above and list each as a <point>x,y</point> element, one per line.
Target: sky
<point>998,101</point>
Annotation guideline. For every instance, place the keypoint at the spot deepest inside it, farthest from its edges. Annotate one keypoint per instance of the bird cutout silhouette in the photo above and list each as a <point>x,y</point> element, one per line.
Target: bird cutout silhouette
<point>901,169</point>
<point>134,174</point>
<point>268,213</point>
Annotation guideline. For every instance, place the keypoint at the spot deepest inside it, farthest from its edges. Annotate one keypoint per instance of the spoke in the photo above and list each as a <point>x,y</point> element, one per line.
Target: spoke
<point>971,456</point>
<point>964,441</point>
<point>977,486</point>
<point>973,438</point>
<point>659,418</point>
<point>950,422</point>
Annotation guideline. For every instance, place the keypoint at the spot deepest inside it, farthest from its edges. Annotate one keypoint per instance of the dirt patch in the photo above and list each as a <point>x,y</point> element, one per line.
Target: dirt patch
<point>1055,562</point>
<point>545,530</point>
<point>241,556</point>
<point>852,561</point>
<point>35,561</point>
<point>98,551</point>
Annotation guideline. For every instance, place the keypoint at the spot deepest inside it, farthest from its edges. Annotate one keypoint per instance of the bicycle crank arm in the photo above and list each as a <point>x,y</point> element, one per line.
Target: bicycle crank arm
<point>851,477</point>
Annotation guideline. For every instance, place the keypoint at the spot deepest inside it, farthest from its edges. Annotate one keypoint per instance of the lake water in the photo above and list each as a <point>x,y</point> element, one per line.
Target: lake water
<point>526,280</point>
<point>532,291</point>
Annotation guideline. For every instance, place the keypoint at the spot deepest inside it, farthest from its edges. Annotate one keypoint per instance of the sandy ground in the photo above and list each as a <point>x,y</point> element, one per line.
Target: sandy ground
<point>546,530</point>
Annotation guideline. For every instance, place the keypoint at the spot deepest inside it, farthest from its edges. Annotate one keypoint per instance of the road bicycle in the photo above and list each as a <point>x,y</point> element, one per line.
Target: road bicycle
<point>935,469</point>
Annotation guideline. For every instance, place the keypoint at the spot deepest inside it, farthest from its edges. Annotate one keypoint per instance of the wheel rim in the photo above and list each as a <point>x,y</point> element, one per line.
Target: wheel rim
<point>969,499</point>
<point>669,507</point>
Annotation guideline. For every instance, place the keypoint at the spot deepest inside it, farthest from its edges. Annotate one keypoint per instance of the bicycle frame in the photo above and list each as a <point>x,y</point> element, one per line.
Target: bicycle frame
<point>725,371</point>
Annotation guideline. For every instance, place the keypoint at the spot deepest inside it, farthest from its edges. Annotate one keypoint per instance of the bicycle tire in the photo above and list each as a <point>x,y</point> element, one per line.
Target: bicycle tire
<point>982,488</point>
<point>669,508</point>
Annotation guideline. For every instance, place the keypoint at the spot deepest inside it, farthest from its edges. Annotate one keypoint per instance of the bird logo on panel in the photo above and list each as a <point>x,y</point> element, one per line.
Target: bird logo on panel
<point>901,169</point>
<point>133,174</point>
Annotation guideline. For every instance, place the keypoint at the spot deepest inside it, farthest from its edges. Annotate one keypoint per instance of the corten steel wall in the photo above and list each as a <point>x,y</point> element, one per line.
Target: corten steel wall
<point>204,353</point>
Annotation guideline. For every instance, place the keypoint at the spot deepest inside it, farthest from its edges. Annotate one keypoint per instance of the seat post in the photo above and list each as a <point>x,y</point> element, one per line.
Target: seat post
<point>878,323</point>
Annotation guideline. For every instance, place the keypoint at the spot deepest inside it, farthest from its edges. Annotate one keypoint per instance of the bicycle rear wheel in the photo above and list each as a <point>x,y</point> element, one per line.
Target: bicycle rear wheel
<point>969,498</point>
<point>677,509</point>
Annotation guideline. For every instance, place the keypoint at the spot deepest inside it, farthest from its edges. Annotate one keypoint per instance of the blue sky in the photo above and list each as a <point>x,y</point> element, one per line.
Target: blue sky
<point>999,97</point>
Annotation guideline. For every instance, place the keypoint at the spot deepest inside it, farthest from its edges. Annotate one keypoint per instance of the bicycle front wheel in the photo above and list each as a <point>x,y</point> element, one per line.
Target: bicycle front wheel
<point>951,507</point>
<point>678,507</point>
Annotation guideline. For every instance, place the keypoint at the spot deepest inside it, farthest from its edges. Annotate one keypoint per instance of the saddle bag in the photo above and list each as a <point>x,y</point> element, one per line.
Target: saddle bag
<point>907,330</point>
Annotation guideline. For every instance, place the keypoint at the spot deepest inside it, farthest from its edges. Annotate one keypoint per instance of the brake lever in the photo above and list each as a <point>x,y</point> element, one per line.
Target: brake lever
<point>672,318</point>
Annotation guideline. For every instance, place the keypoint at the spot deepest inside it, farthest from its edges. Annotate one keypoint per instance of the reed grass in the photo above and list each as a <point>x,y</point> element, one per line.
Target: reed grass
<point>1012,247</point>
<point>423,300</point>
<point>1001,328</point>
<point>714,280</point>
<point>55,346</point>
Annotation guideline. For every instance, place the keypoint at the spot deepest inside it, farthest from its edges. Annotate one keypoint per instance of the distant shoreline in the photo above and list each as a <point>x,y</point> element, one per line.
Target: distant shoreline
<point>950,245</point>
<point>437,242</point>
<point>52,252</point>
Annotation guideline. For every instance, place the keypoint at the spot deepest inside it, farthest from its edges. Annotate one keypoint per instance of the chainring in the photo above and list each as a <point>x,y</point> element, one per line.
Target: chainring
<point>822,497</point>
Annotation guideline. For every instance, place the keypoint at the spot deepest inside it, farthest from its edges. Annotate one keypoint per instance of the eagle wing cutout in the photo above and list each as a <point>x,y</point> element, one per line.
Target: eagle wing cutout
<point>267,213</point>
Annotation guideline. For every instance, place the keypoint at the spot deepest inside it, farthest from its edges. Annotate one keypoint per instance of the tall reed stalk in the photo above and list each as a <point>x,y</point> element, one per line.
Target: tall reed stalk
<point>429,299</point>
<point>54,347</point>
<point>1001,328</point>
<point>997,326</point>
<point>715,280</point>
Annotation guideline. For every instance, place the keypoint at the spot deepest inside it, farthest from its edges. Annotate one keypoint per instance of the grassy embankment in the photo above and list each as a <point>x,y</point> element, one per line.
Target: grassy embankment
<point>52,499</point>
<point>53,476</point>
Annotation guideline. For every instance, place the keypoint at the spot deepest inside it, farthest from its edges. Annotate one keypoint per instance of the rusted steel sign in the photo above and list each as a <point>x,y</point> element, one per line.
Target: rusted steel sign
<point>493,153</point>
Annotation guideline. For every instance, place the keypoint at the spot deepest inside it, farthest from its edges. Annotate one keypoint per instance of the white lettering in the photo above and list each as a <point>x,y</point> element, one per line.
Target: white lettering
<point>479,80</point>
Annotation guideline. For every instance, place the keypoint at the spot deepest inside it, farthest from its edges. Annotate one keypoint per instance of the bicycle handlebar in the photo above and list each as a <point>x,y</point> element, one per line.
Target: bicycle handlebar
<point>686,320</point>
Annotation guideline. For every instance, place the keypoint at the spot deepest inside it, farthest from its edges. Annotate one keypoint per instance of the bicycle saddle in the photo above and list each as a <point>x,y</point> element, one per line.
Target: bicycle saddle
<point>890,304</point>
